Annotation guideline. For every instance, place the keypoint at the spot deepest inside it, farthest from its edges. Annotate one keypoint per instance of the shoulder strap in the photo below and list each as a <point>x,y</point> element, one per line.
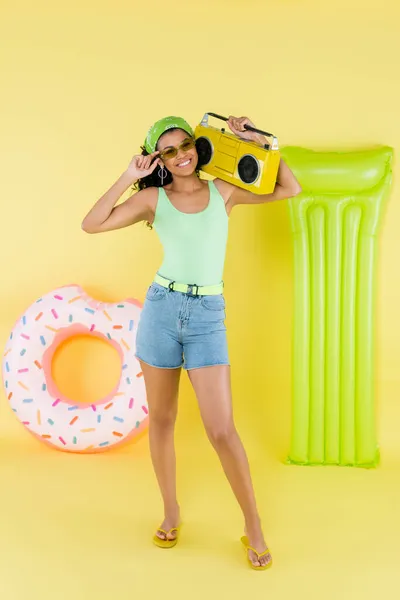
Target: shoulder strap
<point>216,193</point>
<point>163,206</point>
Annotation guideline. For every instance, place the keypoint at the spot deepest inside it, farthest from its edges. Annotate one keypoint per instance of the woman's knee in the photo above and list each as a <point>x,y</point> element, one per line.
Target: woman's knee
<point>162,418</point>
<point>221,434</point>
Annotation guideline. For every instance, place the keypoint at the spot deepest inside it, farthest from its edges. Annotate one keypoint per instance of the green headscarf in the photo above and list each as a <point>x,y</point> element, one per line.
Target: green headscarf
<point>160,127</point>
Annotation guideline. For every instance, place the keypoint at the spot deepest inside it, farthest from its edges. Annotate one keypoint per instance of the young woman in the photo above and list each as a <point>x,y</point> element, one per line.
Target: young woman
<point>182,322</point>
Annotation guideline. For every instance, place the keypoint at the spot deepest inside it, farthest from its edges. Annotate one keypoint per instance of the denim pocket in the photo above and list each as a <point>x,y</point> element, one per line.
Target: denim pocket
<point>216,303</point>
<point>156,292</point>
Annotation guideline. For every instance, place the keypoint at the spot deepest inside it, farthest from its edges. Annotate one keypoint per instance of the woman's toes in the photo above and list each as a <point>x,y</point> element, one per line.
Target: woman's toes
<point>265,560</point>
<point>261,561</point>
<point>254,559</point>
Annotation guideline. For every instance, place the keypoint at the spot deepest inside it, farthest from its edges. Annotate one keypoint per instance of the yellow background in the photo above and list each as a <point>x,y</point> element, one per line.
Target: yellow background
<point>80,84</point>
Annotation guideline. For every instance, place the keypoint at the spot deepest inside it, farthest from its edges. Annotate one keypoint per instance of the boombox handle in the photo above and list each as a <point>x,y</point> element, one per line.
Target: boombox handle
<point>248,127</point>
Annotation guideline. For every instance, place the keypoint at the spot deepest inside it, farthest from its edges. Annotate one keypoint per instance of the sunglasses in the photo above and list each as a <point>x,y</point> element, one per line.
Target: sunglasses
<point>172,151</point>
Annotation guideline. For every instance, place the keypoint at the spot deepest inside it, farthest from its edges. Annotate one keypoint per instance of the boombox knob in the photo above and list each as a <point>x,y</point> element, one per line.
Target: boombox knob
<point>267,146</point>
<point>223,129</point>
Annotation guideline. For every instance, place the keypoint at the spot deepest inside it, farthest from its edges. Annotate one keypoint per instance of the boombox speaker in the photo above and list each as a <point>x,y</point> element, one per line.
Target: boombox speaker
<point>248,165</point>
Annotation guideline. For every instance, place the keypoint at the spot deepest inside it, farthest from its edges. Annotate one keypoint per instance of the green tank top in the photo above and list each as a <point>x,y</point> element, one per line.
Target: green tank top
<point>194,244</point>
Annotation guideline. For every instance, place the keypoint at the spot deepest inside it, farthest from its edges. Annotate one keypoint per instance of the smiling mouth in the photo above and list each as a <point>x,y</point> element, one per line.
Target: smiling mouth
<point>184,163</point>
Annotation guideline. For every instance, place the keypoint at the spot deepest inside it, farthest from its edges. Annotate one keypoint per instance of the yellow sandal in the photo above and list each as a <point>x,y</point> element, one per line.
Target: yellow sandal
<point>245,542</point>
<point>166,543</point>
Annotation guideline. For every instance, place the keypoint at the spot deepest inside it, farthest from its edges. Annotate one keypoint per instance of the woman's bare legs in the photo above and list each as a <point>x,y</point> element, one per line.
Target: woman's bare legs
<point>213,390</point>
<point>162,386</point>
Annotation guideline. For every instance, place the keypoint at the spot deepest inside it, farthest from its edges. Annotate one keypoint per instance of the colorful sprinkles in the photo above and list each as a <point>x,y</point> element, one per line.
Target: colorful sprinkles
<point>27,373</point>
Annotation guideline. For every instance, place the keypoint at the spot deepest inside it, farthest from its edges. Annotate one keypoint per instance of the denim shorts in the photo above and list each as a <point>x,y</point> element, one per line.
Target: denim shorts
<point>178,330</point>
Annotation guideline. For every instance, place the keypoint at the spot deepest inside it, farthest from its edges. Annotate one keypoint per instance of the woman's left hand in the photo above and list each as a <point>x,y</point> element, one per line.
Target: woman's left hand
<point>236,125</point>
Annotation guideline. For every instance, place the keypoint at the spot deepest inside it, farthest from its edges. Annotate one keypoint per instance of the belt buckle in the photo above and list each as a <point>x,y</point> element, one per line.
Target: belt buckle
<point>191,288</point>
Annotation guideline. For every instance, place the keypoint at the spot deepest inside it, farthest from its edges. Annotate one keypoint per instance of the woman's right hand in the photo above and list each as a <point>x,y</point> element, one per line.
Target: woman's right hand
<point>140,166</point>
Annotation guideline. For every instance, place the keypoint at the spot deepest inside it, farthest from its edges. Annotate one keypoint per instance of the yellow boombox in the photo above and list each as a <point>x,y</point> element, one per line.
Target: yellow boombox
<point>245,164</point>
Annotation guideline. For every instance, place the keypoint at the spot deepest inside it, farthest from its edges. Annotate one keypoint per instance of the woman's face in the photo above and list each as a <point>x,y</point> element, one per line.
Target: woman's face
<point>184,163</point>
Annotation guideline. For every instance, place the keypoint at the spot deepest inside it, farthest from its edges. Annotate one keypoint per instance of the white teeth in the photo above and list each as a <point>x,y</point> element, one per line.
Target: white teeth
<point>184,163</point>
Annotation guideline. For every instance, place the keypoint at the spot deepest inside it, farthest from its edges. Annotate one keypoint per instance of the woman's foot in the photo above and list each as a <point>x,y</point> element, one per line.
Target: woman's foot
<point>170,522</point>
<point>256,541</point>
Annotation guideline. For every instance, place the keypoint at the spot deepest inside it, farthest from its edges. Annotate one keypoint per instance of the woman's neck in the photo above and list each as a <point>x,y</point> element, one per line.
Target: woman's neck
<point>185,185</point>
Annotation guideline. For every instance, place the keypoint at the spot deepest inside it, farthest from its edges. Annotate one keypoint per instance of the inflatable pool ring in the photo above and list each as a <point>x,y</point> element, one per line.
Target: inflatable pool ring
<point>33,395</point>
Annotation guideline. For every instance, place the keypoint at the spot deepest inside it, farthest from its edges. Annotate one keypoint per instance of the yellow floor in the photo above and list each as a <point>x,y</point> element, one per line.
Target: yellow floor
<point>80,527</point>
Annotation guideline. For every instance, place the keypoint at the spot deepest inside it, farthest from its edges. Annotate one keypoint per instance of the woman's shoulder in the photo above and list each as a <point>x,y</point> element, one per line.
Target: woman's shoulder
<point>148,193</point>
<point>148,196</point>
<point>224,188</point>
